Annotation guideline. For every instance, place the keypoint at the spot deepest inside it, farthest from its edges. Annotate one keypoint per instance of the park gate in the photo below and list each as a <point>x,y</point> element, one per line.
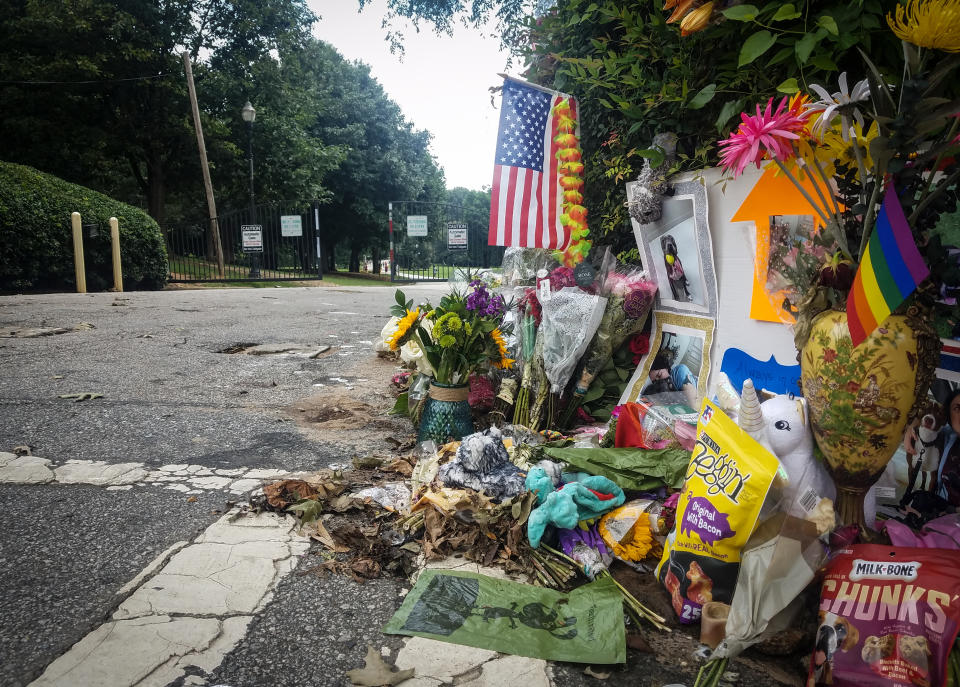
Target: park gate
<point>279,242</point>
<point>428,241</point>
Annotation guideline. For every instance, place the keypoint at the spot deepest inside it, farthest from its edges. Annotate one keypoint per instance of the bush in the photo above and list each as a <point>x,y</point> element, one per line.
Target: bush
<point>36,245</point>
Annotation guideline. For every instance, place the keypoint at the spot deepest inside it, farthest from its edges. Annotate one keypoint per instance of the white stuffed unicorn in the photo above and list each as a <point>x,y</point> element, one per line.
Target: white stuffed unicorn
<point>782,425</point>
<point>788,434</point>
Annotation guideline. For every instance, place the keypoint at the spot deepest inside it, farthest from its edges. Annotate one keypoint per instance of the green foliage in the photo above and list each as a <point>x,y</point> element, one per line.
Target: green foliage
<point>635,76</point>
<point>36,245</point>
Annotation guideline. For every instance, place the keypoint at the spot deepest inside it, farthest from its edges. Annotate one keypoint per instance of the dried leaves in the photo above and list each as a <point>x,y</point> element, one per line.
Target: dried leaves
<point>376,673</point>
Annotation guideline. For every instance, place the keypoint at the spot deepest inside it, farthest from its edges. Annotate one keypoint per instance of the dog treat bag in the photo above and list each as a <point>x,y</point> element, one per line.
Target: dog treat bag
<point>888,617</point>
<point>726,483</point>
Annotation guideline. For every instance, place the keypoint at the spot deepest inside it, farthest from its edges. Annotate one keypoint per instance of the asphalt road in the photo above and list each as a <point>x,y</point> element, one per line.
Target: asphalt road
<point>169,395</point>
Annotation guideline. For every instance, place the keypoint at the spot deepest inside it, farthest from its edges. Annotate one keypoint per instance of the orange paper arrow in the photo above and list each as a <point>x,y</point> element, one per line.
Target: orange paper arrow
<point>773,194</point>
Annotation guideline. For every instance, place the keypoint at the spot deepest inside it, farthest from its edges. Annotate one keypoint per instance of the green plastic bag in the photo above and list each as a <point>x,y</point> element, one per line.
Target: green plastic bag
<point>629,468</point>
<point>584,626</point>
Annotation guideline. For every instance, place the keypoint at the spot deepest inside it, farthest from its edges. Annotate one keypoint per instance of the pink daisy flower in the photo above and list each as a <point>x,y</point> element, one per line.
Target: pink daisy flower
<point>768,134</point>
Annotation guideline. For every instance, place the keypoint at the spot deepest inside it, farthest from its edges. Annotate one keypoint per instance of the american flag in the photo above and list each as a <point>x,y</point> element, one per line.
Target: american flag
<point>527,200</point>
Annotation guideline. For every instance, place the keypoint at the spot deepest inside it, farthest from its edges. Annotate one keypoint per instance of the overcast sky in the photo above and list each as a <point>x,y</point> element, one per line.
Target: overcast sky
<point>441,85</point>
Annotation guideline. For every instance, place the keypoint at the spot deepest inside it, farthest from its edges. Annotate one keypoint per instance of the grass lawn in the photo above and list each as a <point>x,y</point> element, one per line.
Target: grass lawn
<point>199,268</point>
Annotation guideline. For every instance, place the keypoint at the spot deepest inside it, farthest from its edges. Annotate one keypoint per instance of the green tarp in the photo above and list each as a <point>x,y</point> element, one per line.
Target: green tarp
<point>629,468</point>
<point>584,626</point>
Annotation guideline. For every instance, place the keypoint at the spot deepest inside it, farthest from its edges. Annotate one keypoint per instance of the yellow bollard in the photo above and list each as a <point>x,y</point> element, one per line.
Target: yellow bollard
<point>115,245</point>
<point>78,253</point>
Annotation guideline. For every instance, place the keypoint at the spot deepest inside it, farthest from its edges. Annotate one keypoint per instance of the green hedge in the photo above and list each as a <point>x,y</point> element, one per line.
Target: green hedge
<point>36,244</point>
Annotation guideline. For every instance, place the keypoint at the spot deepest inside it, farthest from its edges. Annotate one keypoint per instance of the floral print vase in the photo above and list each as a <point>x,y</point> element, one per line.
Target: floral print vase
<point>859,400</point>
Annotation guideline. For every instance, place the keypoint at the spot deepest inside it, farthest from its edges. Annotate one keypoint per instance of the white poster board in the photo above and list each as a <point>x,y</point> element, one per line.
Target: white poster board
<point>290,225</point>
<point>734,251</point>
<point>416,225</point>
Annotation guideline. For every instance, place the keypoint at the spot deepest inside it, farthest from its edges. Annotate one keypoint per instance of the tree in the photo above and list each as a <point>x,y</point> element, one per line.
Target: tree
<point>386,158</point>
<point>122,113</point>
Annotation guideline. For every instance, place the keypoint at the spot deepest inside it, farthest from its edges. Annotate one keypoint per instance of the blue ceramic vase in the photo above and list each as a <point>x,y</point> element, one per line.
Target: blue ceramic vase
<point>447,415</point>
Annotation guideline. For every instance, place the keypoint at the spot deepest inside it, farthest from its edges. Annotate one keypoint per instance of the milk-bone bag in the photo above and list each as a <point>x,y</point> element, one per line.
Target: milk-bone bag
<point>888,617</point>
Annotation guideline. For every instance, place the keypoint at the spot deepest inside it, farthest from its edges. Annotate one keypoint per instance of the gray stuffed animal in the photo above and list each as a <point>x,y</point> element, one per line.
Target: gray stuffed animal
<point>646,204</point>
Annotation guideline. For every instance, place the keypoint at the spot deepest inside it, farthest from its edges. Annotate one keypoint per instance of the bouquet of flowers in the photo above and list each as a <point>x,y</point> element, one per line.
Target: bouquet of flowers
<point>570,319</point>
<point>629,299</point>
<point>464,333</point>
<point>862,155</point>
<point>530,316</point>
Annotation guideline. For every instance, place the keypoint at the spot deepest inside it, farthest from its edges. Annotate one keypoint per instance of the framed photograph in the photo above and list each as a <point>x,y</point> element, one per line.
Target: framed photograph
<point>677,251</point>
<point>679,357</point>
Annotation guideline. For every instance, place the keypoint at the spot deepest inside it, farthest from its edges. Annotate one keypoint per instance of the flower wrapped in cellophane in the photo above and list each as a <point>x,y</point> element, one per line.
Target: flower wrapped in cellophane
<point>529,317</point>
<point>630,296</point>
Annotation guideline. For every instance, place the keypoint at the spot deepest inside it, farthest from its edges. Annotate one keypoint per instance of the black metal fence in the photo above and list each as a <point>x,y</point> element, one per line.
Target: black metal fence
<point>280,242</point>
<point>431,240</point>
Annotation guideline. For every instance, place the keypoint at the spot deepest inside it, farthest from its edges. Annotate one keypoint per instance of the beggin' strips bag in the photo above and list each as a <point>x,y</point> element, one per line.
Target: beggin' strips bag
<point>727,481</point>
<point>888,617</point>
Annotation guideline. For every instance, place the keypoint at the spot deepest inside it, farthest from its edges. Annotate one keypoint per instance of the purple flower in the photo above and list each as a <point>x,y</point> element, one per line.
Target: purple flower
<point>478,300</point>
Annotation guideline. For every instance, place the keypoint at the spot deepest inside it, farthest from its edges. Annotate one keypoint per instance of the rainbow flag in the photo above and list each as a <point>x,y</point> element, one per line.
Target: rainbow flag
<point>890,271</point>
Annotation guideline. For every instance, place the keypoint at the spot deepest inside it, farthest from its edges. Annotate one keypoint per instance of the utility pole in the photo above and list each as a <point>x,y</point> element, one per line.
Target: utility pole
<point>208,187</point>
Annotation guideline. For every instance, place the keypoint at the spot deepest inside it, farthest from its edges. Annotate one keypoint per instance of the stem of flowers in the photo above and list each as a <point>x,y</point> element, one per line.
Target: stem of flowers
<point>711,672</point>
<point>861,165</point>
<point>838,227</point>
<point>932,196</point>
<point>809,198</point>
<point>933,170</point>
<point>816,187</point>
<point>870,216</point>
<point>637,608</point>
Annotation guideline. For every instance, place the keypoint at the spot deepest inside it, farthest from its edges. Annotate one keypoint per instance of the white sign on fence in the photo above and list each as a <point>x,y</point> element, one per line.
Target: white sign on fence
<point>416,225</point>
<point>290,225</point>
<point>456,235</point>
<point>252,238</point>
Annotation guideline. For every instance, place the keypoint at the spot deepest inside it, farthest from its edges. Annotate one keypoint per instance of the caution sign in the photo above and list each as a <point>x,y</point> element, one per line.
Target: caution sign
<point>456,235</point>
<point>252,235</point>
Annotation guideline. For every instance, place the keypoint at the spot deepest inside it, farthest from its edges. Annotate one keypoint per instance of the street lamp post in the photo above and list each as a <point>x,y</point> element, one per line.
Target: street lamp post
<point>249,114</point>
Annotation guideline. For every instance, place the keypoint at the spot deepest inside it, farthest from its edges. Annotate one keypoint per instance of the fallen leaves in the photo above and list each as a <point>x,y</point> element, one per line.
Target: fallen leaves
<point>376,673</point>
<point>287,492</point>
<point>82,396</point>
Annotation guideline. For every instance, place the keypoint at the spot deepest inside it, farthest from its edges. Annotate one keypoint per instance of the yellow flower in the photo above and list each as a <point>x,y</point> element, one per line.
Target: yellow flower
<point>834,151</point>
<point>497,337</point>
<point>928,24</point>
<point>504,363</point>
<point>403,328</point>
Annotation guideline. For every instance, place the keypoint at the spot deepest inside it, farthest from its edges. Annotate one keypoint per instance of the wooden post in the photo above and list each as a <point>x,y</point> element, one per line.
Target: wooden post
<point>78,252</point>
<point>205,168</point>
<point>115,245</point>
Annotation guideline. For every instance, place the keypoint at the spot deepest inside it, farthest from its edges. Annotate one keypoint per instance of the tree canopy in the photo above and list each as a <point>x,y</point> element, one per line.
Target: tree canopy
<point>94,92</point>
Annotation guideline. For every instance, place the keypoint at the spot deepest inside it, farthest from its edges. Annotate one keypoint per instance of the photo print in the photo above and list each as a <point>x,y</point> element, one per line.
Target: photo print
<point>677,251</point>
<point>678,360</point>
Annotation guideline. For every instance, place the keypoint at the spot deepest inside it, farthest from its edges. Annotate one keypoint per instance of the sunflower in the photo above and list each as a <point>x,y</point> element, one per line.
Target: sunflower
<point>928,24</point>
<point>505,362</point>
<point>403,328</point>
<point>834,151</point>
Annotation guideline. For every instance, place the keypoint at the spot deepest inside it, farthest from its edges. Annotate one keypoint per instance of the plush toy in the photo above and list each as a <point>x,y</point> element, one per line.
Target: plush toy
<point>927,459</point>
<point>788,435</point>
<point>583,497</point>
